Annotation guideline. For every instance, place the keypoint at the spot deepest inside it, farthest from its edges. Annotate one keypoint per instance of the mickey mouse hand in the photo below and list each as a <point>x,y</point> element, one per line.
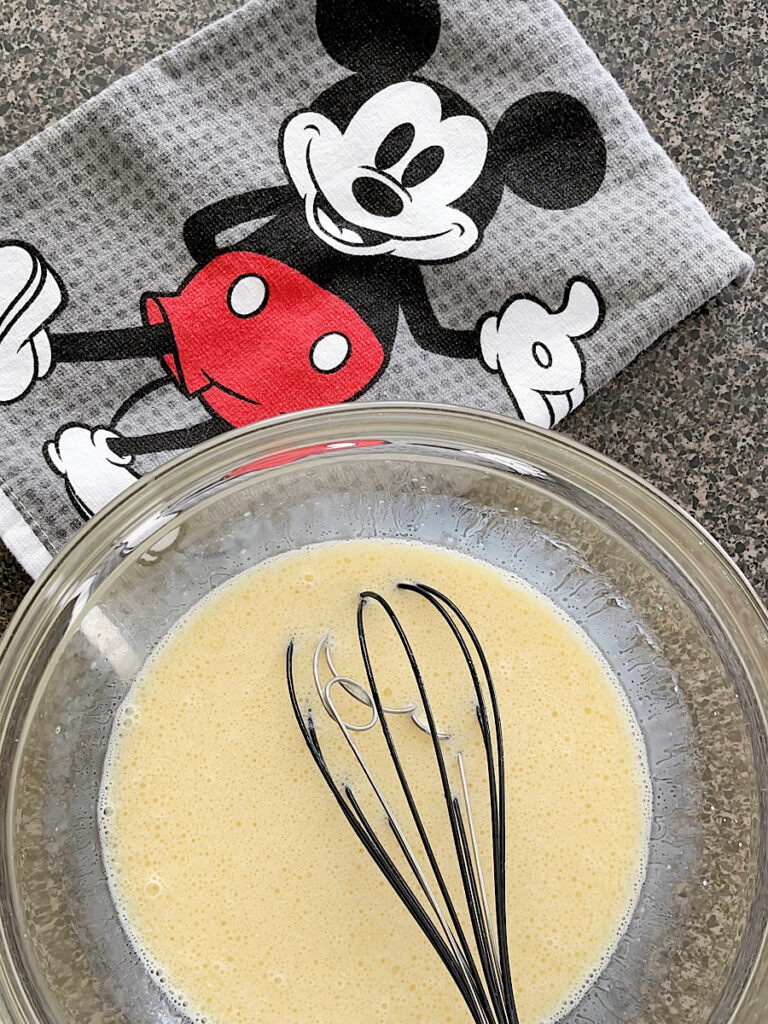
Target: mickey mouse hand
<point>30,295</point>
<point>534,351</point>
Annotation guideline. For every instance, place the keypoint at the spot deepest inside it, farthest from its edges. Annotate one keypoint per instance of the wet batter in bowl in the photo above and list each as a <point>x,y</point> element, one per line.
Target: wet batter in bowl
<point>234,873</point>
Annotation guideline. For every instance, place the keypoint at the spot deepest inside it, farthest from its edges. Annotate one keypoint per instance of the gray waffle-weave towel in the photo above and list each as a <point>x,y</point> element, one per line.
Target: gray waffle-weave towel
<point>309,204</point>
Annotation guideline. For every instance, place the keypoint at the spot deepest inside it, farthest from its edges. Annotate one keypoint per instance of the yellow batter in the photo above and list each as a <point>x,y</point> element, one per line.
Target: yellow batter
<point>234,872</point>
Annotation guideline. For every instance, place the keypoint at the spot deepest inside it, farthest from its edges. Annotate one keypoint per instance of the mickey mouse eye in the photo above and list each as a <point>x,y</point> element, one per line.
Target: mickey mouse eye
<point>394,147</point>
<point>330,352</point>
<point>423,165</point>
<point>541,354</point>
<point>248,295</point>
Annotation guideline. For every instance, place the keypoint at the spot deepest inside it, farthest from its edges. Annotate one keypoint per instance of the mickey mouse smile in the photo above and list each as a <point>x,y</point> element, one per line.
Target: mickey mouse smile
<point>330,222</point>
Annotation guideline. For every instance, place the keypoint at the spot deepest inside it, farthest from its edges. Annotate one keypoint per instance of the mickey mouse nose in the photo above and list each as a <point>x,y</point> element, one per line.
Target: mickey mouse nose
<point>376,197</point>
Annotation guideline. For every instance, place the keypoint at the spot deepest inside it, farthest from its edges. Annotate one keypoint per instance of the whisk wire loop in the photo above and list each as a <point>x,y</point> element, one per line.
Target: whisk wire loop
<point>497,789</point>
<point>466,869</point>
<point>436,735</point>
<point>496,778</point>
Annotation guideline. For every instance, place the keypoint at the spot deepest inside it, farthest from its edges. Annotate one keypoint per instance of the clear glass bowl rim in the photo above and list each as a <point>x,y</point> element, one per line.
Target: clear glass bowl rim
<point>701,561</point>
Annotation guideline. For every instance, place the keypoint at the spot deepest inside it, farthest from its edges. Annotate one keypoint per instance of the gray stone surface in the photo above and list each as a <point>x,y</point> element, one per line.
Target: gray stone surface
<point>691,414</point>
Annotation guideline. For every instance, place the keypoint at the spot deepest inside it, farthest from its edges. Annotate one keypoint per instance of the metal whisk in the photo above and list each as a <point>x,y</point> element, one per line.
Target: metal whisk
<point>478,963</point>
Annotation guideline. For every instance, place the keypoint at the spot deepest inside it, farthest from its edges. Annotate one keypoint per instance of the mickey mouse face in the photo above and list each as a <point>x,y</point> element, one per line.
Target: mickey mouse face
<point>389,162</point>
<point>388,182</point>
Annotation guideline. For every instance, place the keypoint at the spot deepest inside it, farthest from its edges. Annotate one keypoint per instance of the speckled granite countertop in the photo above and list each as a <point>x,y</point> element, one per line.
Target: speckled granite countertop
<point>690,414</point>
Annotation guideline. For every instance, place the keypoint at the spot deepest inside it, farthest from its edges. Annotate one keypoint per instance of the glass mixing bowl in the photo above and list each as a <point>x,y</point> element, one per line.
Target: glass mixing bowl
<point>684,632</point>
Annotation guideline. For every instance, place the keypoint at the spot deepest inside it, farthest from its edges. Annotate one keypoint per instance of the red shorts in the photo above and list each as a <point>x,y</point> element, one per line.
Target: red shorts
<point>254,338</point>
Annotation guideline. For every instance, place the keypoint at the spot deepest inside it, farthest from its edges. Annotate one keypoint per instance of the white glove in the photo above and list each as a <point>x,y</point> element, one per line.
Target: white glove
<point>30,295</point>
<point>534,351</point>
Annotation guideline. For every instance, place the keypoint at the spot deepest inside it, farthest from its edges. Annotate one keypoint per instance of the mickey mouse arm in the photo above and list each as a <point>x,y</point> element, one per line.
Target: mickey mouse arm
<point>202,228</point>
<point>427,331</point>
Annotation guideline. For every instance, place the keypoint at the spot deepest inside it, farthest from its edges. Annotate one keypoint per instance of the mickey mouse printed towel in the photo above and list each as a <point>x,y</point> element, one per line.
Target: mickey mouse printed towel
<point>311,203</point>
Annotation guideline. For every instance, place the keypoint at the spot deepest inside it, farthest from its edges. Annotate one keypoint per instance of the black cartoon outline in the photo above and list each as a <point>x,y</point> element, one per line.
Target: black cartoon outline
<point>384,44</point>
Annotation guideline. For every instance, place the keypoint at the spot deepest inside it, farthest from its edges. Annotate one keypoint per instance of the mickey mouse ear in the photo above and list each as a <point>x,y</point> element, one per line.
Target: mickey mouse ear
<point>550,151</point>
<point>385,37</point>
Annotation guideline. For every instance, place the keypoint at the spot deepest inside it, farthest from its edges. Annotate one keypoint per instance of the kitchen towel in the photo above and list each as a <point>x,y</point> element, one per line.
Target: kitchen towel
<point>307,204</point>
